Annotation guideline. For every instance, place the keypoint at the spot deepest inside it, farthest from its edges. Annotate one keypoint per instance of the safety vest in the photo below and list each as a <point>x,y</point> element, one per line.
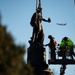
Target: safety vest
<point>67,43</point>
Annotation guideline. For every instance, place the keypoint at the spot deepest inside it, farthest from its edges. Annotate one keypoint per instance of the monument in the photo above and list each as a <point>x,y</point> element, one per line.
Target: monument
<point>36,55</point>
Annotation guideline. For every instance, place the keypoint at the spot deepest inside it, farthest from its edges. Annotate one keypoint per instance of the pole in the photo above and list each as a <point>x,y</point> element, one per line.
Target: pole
<point>0,17</point>
<point>40,3</point>
<point>36,9</point>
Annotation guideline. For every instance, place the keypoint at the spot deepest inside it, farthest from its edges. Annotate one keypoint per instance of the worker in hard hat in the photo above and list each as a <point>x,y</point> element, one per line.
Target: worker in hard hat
<point>52,46</point>
<point>67,44</point>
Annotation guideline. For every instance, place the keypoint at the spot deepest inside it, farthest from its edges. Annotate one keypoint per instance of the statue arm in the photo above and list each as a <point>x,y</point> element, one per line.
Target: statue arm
<point>49,20</point>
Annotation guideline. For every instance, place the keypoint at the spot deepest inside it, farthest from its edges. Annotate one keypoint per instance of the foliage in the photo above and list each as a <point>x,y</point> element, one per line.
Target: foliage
<point>12,56</point>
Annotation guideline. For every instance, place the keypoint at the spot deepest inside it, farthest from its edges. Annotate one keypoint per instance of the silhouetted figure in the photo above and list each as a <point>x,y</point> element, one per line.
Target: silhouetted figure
<point>38,34</point>
<point>52,46</point>
<point>67,44</point>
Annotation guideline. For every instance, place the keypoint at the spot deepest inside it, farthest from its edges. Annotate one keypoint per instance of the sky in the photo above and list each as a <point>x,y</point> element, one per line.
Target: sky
<point>16,15</point>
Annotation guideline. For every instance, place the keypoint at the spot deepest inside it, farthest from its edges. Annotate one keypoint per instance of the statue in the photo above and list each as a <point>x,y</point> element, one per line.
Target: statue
<point>36,23</point>
<point>36,52</point>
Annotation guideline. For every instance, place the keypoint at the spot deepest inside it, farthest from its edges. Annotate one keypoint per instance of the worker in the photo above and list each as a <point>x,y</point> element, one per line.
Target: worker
<point>52,46</point>
<point>67,44</point>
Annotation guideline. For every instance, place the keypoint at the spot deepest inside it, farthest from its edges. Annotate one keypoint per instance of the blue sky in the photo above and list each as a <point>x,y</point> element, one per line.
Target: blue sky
<point>16,15</point>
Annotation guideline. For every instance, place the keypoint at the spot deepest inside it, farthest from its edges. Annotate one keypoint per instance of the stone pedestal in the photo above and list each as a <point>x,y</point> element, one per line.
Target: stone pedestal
<point>37,59</point>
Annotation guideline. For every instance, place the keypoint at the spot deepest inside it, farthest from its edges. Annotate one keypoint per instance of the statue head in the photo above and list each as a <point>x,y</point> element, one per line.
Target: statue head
<point>39,9</point>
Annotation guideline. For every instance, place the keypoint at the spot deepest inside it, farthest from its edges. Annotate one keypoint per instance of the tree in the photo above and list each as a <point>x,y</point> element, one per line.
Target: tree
<point>12,56</point>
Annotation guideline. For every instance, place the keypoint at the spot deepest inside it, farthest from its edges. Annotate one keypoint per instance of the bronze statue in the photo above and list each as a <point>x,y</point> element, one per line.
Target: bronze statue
<point>36,23</point>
